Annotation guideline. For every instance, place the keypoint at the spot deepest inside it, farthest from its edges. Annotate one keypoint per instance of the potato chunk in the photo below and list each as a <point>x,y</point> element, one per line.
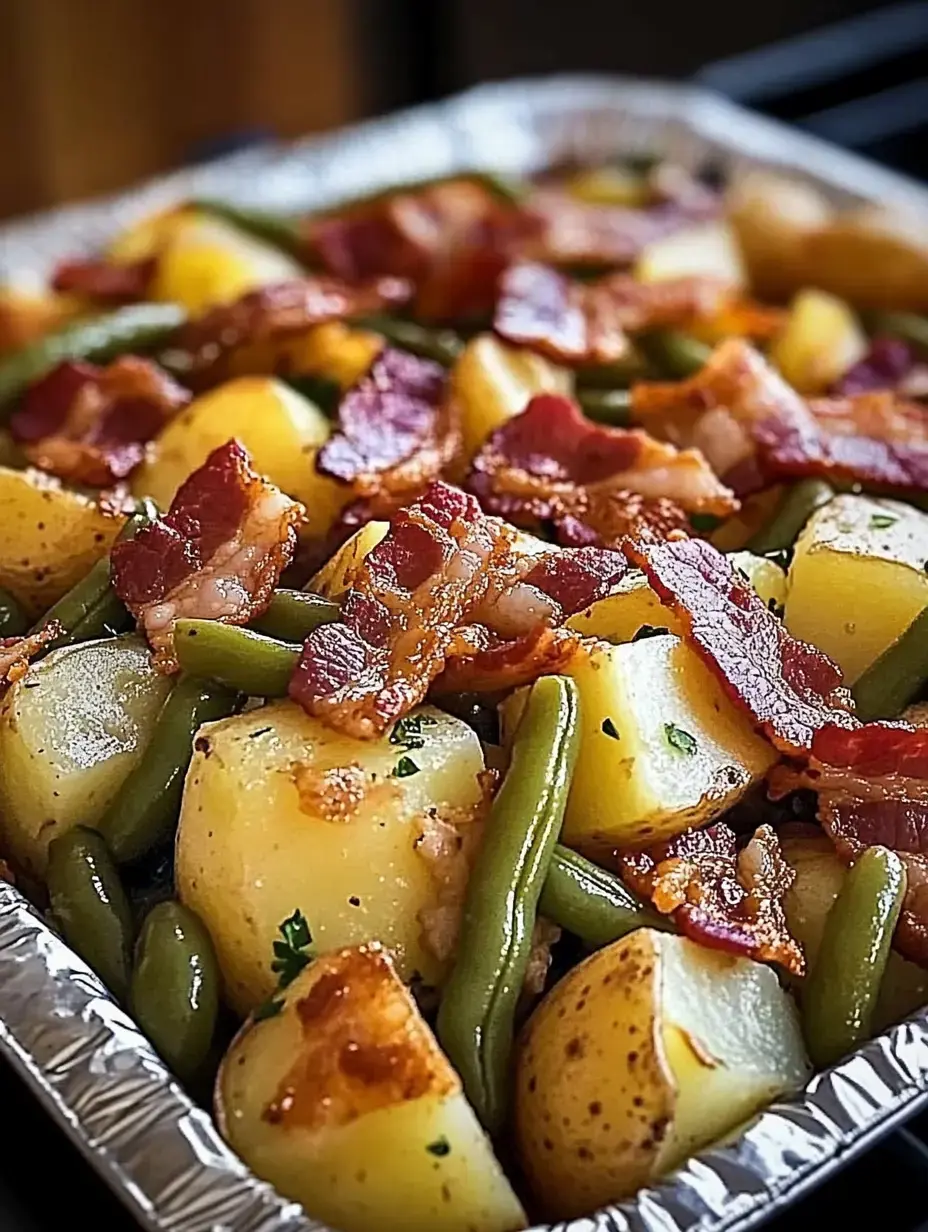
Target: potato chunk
<point>662,748</point>
<point>345,1103</point>
<point>649,1050</point>
<point>49,537</point>
<point>338,573</point>
<point>858,579</point>
<point>280,428</point>
<point>70,731</point>
<point>709,249</point>
<point>819,342</point>
<point>281,812</point>
<point>493,382</point>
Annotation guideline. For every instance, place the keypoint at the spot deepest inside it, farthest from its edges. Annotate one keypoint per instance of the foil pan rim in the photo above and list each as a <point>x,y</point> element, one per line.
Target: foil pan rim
<point>80,1053</point>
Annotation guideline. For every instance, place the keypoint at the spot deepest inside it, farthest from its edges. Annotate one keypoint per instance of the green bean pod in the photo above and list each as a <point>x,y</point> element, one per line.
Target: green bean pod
<point>13,622</point>
<point>441,345</point>
<point>840,993</point>
<point>90,905</point>
<point>145,810</point>
<point>240,659</point>
<point>280,230</point>
<point>321,390</point>
<point>896,678</point>
<point>606,406</point>
<point>293,614</point>
<point>137,327</point>
<point>908,326</point>
<point>175,987</point>
<point>591,902</point>
<point>675,354</point>
<point>799,502</point>
<point>478,1005</point>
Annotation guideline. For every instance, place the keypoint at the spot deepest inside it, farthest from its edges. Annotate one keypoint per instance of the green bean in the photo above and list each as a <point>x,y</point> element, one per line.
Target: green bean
<point>281,230</point>
<point>240,659</point>
<point>478,1005</point>
<point>908,326</point>
<point>322,390</point>
<point>675,354</point>
<point>618,375</point>
<point>840,993</point>
<point>799,502</point>
<point>606,406</point>
<point>13,620</point>
<point>90,905</point>
<point>175,987</point>
<point>442,345</point>
<point>293,614</point>
<point>137,327</point>
<point>896,677</point>
<point>147,805</point>
<point>591,902</point>
<point>91,609</point>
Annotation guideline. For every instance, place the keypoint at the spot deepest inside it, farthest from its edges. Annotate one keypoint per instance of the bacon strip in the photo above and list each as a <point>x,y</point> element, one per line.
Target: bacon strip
<point>595,484</point>
<point>90,425</point>
<point>17,652</point>
<point>104,281</point>
<point>889,364</point>
<point>872,786</point>
<point>588,322</point>
<point>216,555</point>
<point>755,430</point>
<point>446,584</point>
<point>452,239</point>
<point>397,429</point>
<point>789,688</point>
<point>275,312</point>
<point>720,897</point>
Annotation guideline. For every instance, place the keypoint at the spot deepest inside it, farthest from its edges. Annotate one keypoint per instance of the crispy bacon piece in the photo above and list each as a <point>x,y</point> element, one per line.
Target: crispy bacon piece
<point>755,430</point>
<point>16,652</point>
<point>452,239</point>
<point>278,311</point>
<point>446,583</point>
<point>575,322</point>
<point>216,555</point>
<point>104,281</point>
<point>397,429</point>
<point>888,364</point>
<point>595,484</point>
<point>789,688</point>
<point>720,897</point>
<point>91,425</point>
<point>872,786</point>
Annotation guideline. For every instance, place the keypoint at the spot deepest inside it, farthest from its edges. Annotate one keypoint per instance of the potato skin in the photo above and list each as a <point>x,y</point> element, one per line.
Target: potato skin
<point>345,1102</point>
<point>280,812</point>
<point>70,731</point>
<point>49,537</point>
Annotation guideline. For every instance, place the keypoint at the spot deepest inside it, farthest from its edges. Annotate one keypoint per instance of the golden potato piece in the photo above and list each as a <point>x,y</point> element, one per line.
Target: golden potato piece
<point>772,216</point>
<point>345,1103</point>
<point>649,1050</point>
<point>873,257</point>
<point>820,341</point>
<point>337,574</point>
<point>707,250</point>
<point>49,537</point>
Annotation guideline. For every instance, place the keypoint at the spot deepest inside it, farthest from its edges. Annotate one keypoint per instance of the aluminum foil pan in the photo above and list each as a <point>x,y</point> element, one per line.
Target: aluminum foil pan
<point>81,1054</point>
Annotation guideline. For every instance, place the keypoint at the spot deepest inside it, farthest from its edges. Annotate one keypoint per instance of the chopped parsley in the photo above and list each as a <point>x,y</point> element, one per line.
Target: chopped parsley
<point>649,631</point>
<point>404,768</point>
<point>440,1147</point>
<point>408,731</point>
<point>290,957</point>
<point>610,729</point>
<point>882,521</point>
<point>679,739</point>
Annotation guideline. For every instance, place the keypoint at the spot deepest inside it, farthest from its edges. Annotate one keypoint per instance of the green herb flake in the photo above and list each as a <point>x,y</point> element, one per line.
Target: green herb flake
<point>440,1147</point>
<point>404,768</point>
<point>408,731</point>
<point>680,740</point>
<point>290,956</point>
<point>609,729</point>
<point>882,521</point>
<point>270,1009</point>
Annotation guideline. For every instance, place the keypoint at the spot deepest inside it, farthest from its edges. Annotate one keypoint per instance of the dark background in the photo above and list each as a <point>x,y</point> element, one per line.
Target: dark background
<point>95,94</point>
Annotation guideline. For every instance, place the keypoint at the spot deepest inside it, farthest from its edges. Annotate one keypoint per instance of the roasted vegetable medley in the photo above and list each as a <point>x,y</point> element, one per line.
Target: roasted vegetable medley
<point>461,661</point>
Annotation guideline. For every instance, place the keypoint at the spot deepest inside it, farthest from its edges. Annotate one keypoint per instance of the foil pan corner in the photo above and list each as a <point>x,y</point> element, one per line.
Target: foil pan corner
<point>82,1056</point>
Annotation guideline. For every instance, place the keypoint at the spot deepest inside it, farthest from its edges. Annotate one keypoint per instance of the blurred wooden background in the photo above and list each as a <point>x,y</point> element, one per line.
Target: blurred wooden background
<point>95,94</point>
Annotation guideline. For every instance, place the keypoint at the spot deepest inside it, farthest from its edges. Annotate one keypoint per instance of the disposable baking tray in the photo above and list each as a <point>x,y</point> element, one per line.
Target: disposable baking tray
<point>81,1054</point>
